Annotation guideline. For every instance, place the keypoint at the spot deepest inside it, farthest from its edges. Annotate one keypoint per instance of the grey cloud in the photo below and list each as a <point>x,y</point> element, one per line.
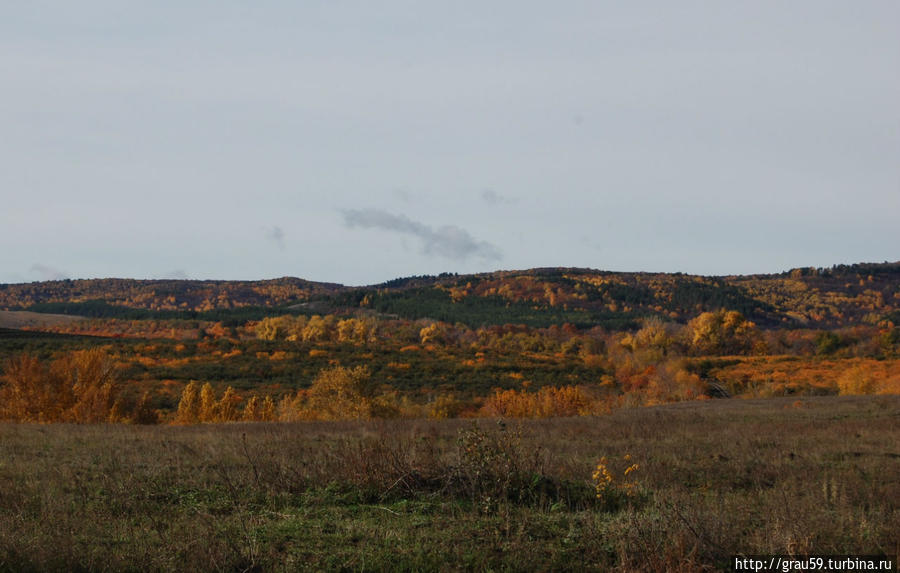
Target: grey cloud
<point>491,197</point>
<point>447,241</point>
<point>47,273</point>
<point>276,234</point>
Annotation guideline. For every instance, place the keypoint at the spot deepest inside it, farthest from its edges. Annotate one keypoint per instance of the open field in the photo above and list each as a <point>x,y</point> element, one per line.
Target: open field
<point>27,319</point>
<point>714,478</point>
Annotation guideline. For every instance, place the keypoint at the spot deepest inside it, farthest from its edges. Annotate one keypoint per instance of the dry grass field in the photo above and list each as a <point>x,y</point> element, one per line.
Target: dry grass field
<point>26,319</point>
<point>712,479</point>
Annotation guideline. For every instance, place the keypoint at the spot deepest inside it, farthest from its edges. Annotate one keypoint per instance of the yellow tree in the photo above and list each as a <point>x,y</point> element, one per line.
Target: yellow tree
<point>721,332</point>
<point>268,412</point>
<point>295,327</point>
<point>345,329</point>
<point>79,387</point>
<point>227,408</point>
<point>29,394</point>
<point>364,330</point>
<point>91,376</point>
<point>267,329</point>
<point>655,334</point>
<point>209,407</point>
<point>284,327</point>
<point>318,328</point>
<point>251,410</point>
<point>340,393</point>
<point>189,405</point>
<point>360,330</point>
<point>257,410</point>
<point>18,391</point>
<point>434,333</point>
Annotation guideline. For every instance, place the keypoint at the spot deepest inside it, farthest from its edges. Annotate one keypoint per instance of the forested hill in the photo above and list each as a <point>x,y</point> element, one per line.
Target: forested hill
<point>843,295</point>
<point>162,295</point>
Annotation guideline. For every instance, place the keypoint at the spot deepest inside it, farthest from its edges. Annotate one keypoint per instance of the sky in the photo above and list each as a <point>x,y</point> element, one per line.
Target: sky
<point>356,142</point>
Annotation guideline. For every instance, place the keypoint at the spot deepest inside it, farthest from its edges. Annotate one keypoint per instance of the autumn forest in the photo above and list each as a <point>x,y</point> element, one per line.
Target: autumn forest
<point>539,343</point>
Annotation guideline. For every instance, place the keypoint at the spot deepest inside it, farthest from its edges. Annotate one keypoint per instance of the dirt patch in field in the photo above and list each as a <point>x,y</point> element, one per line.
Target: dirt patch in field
<point>26,319</point>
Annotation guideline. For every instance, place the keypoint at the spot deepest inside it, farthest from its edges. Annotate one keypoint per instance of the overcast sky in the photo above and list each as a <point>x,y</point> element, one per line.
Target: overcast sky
<point>356,142</point>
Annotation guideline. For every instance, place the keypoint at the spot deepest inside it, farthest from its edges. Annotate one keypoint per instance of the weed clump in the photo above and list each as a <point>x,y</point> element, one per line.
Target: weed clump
<point>495,470</point>
<point>613,493</point>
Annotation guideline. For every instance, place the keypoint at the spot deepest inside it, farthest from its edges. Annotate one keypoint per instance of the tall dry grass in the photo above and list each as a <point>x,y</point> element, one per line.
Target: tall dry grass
<point>716,478</point>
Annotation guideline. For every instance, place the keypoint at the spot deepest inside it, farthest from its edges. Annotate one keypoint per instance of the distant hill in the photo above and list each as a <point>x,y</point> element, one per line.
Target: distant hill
<point>163,295</point>
<point>843,295</point>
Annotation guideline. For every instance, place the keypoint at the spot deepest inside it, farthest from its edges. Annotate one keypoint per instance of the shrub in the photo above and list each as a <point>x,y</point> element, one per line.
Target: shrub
<point>79,387</point>
<point>615,492</point>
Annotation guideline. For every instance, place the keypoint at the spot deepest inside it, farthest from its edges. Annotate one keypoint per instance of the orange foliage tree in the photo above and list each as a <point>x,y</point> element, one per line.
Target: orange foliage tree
<point>78,387</point>
<point>337,393</point>
<point>721,332</point>
<point>200,405</point>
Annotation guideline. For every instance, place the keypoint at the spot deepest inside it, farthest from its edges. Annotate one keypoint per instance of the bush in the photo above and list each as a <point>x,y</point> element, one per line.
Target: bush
<point>78,387</point>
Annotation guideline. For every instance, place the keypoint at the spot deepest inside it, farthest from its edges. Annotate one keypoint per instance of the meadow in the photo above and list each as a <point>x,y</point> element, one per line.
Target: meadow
<point>679,487</point>
<point>552,419</point>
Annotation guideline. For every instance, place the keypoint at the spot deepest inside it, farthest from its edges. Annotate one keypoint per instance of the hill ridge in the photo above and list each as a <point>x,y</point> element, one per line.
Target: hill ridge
<point>842,295</point>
